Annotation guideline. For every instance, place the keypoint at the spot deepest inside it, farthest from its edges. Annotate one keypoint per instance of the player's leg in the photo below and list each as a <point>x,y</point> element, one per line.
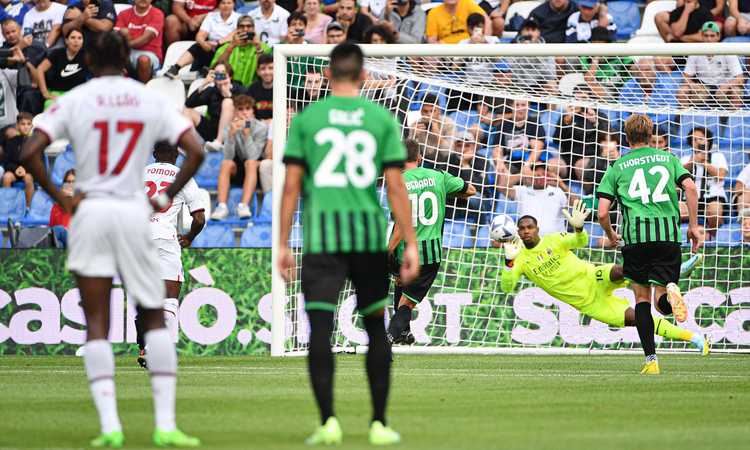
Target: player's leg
<point>227,169</point>
<point>410,297</point>
<point>398,329</point>
<point>322,278</point>
<point>637,267</point>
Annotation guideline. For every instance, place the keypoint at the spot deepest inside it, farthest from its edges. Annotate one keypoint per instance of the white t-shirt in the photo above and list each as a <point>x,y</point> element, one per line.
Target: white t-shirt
<point>709,187</point>
<point>578,31</point>
<point>545,205</point>
<point>744,177</point>
<point>8,106</point>
<point>273,29</point>
<point>112,124</point>
<point>377,7</point>
<point>216,27</point>
<point>713,70</point>
<point>39,24</point>
<point>157,177</point>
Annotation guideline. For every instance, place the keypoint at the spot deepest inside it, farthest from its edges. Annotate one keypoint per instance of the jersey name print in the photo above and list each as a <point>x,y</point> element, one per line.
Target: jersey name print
<point>157,178</point>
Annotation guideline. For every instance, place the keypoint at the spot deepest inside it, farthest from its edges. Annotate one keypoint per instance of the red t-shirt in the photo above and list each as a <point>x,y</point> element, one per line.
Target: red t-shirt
<point>58,216</point>
<point>198,7</point>
<point>137,25</point>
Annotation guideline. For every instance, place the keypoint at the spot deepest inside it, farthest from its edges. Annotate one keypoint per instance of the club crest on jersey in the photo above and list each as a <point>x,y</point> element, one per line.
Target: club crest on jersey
<point>346,118</point>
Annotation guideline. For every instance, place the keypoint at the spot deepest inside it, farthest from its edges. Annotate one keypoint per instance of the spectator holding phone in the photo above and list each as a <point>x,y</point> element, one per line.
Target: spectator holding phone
<point>143,26</point>
<point>242,52</point>
<point>91,17</point>
<point>296,24</point>
<point>243,150</point>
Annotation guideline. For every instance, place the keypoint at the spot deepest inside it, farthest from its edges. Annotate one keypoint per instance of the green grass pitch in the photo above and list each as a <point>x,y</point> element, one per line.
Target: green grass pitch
<point>437,402</point>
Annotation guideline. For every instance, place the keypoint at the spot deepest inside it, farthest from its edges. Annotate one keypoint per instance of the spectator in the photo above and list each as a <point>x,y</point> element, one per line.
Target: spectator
<point>475,23</point>
<point>604,76</point>
<point>262,90</point>
<point>712,80</point>
<point>591,14</point>
<point>374,9</point>
<point>576,136</point>
<point>709,168</point>
<point>683,24</point>
<point>143,27</point>
<point>379,34</point>
<point>335,33</point>
<point>742,189</point>
<point>446,23</point>
<point>270,21</point>
<point>552,17</point>
<point>435,130</point>
<point>317,22</point>
<point>296,24</point>
<point>408,20</point>
<point>660,139</point>
<point>745,224</point>
<point>216,93</point>
<point>216,30</point>
<point>243,151</point>
<point>639,89</point>
<point>242,51</point>
<point>738,20</point>
<point>59,219</point>
<point>90,17</point>
<point>63,69</point>
<point>186,19</point>
<point>496,10</point>
<point>608,151</point>
<point>354,22</point>
<point>531,73</point>
<point>18,82</point>
<point>43,24</point>
<point>11,161</point>
<point>464,162</point>
<point>521,138</point>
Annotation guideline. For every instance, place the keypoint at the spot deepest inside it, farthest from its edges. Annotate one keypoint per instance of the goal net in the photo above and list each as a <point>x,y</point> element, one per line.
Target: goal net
<point>532,126</point>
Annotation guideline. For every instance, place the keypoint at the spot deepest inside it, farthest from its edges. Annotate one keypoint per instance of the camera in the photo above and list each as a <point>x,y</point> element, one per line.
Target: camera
<point>249,36</point>
<point>299,33</point>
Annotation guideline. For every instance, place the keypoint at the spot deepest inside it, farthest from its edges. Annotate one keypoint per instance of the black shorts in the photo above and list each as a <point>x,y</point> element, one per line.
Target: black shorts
<point>652,263</point>
<point>323,276</point>
<point>417,290</point>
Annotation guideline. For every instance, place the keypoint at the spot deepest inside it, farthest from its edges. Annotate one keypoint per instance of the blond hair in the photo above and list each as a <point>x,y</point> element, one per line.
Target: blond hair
<point>638,129</point>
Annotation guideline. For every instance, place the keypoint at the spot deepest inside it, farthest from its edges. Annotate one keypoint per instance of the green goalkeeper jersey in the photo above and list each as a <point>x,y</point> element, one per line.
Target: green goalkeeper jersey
<point>552,266</point>
<point>428,190</point>
<point>344,143</point>
<point>645,182</point>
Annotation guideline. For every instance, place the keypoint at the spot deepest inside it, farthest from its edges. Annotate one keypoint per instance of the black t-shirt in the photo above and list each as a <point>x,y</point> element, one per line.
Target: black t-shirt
<point>696,19</point>
<point>289,5</point>
<point>356,32</point>
<point>578,138</point>
<point>743,6</point>
<point>106,11</point>
<point>11,158</point>
<point>515,137</point>
<point>263,100</point>
<point>65,74</point>
<point>553,23</point>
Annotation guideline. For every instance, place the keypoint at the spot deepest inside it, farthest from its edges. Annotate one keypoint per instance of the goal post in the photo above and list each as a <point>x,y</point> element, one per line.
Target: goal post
<point>576,97</point>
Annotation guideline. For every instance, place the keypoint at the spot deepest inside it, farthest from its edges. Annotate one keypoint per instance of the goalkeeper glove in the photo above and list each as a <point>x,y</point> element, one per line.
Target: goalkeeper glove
<point>511,250</point>
<point>578,215</point>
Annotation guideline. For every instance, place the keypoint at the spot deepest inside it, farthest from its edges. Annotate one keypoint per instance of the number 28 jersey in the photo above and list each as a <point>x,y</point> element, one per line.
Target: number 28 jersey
<point>645,182</point>
<point>344,143</point>
<point>157,178</point>
<point>112,124</point>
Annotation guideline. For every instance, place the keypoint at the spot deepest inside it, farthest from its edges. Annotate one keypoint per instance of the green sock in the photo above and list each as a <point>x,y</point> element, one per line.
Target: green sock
<point>665,329</point>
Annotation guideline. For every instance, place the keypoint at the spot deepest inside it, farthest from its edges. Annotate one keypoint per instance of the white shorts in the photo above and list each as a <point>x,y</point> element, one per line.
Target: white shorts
<point>110,236</point>
<point>170,260</point>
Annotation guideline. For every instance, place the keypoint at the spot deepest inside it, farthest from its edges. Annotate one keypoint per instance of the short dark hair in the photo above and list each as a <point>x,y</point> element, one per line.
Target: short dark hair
<point>164,150</point>
<point>528,217</point>
<point>707,133</point>
<point>244,18</point>
<point>227,67</point>
<point>243,101</point>
<point>601,34</point>
<point>346,62</point>
<point>474,20</point>
<point>70,31</point>
<point>23,115</point>
<point>413,150</point>
<point>9,20</point>
<point>265,58</point>
<point>109,50</point>
<point>68,173</point>
<point>430,99</point>
<point>384,32</point>
<point>296,15</point>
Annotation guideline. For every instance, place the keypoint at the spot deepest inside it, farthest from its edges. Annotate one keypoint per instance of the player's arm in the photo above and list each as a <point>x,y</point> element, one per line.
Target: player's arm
<point>512,267</point>
<point>457,187</point>
<point>193,147</point>
<point>401,211</point>
<point>292,189</point>
<point>31,159</point>
<point>395,239</point>
<point>691,198</point>
<point>606,194</point>
<point>199,221</point>
<point>576,218</point>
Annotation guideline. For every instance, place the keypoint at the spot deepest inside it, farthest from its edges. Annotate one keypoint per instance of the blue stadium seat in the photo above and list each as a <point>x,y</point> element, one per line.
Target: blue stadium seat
<point>595,232</point>
<point>415,93</point>
<point>457,234</point>
<point>215,236</point>
<point>728,235</point>
<point>63,162</point>
<point>295,237</point>
<point>688,122</point>
<point>464,119</point>
<point>483,237</point>
<point>736,160</point>
<point>12,205</point>
<point>738,127</point>
<point>41,205</point>
<point>736,39</point>
<point>266,208</point>
<point>208,173</point>
<point>627,16</point>
<point>549,120</point>
<point>256,236</point>
<point>503,205</point>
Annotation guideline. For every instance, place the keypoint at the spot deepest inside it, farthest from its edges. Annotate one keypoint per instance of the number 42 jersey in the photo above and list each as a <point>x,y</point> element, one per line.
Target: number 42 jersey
<point>344,143</point>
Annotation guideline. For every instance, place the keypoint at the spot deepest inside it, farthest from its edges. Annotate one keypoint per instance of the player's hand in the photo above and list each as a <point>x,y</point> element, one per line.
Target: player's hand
<point>614,241</point>
<point>70,204</point>
<point>512,248</point>
<point>184,241</point>
<point>578,215</point>
<point>695,236</point>
<point>286,263</point>
<point>409,264</point>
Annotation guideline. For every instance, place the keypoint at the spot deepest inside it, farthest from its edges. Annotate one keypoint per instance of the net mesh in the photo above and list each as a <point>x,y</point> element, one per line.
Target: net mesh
<point>530,133</point>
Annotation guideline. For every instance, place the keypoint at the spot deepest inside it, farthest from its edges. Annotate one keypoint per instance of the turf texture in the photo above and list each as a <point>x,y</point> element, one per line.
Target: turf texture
<point>437,402</point>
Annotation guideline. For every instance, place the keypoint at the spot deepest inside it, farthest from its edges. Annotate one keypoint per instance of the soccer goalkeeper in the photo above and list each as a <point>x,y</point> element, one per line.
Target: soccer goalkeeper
<point>549,262</point>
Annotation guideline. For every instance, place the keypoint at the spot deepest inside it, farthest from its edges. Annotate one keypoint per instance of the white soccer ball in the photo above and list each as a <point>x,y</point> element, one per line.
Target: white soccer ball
<point>503,228</point>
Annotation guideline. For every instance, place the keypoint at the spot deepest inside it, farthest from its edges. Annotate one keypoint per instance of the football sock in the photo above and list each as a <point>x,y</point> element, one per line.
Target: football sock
<point>162,366</point>
<point>378,366</point>
<point>668,330</point>
<point>664,306</point>
<point>320,361</point>
<point>139,329</point>
<point>100,370</point>
<point>644,322</point>
<point>171,308</point>
<point>400,321</point>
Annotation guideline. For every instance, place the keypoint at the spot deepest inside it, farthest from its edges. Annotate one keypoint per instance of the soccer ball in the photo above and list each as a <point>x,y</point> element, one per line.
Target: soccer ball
<point>503,228</point>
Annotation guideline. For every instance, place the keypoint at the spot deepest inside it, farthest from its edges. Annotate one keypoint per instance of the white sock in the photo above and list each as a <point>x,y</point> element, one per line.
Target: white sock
<point>171,308</point>
<point>100,370</point>
<point>162,363</point>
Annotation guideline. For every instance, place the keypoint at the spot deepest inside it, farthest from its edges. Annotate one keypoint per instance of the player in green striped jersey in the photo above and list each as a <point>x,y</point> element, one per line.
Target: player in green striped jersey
<point>644,182</point>
<point>428,190</point>
<point>336,150</point>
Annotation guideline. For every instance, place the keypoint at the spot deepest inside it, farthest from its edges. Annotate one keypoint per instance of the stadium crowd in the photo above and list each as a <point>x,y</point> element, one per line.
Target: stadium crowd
<point>525,157</point>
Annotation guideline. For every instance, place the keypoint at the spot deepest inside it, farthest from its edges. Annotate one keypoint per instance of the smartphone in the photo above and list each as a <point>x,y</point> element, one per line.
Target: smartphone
<point>248,124</point>
<point>220,76</point>
<point>299,33</point>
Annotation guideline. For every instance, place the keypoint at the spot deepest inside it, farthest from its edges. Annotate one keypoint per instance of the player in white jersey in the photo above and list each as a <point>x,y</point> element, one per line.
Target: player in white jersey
<point>157,178</point>
<point>113,124</point>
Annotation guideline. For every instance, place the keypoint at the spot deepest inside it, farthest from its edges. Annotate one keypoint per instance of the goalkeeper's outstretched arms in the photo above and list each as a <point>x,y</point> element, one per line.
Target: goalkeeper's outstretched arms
<point>576,218</point>
<point>511,266</point>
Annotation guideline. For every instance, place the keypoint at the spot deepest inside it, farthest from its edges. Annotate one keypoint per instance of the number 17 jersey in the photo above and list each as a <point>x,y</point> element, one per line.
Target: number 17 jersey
<point>344,143</point>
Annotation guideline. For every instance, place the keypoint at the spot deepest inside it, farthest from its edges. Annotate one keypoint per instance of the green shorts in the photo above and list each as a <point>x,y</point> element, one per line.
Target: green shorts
<point>606,307</point>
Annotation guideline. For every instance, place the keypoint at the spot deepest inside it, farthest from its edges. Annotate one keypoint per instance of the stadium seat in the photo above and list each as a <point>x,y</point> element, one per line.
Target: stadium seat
<point>483,237</point>
<point>628,17</point>
<point>247,8</point>
<point>295,237</point>
<point>688,122</point>
<point>736,39</point>
<point>63,162</point>
<point>4,243</point>
<point>415,94</point>
<point>174,90</point>
<point>215,236</point>
<point>256,236</point>
<point>457,234</point>
<point>648,26</point>
<point>736,160</point>
<point>41,205</point>
<point>235,195</point>
<point>728,235</point>
<point>12,205</point>
<point>266,208</point>
<point>173,54</point>
<point>646,39</point>
<point>503,205</point>
<point>208,173</point>
<point>464,119</point>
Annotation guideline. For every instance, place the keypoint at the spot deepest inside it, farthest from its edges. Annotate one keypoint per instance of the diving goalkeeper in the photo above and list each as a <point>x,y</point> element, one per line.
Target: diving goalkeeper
<point>549,262</point>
